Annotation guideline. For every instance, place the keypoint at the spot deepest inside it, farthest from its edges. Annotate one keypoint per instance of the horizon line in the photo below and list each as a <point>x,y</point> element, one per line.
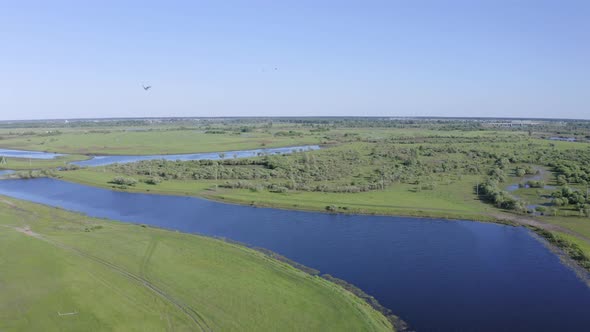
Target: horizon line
<point>400,117</point>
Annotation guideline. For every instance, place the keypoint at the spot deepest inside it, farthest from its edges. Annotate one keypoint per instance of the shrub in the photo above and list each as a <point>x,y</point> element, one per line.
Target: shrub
<point>121,180</point>
<point>153,180</point>
<point>331,208</point>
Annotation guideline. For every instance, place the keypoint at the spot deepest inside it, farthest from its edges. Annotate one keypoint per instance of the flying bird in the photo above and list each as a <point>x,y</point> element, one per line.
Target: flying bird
<point>146,87</point>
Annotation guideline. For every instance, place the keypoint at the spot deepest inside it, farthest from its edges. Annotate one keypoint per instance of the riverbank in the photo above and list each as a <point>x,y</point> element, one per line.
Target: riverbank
<point>399,201</point>
<point>392,258</point>
<point>82,273</point>
<point>456,203</point>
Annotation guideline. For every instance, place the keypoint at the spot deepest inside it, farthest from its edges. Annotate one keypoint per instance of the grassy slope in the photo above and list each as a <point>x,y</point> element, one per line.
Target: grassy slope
<point>580,225</point>
<point>103,275</point>
<point>153,142</point>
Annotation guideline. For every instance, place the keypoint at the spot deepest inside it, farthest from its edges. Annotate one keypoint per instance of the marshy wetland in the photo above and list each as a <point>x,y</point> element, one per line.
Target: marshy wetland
<point>432,271</point>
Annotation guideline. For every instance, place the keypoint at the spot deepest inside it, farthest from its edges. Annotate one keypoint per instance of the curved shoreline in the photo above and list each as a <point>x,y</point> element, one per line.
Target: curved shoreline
<point>351,297</point>
<point>100,154</point>
<point>500,217</point>
<point>56,156</point>
<point>32,190</point>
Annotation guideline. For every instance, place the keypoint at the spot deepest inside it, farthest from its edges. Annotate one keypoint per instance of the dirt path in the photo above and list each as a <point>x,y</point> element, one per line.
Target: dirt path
<point>528,221</point>
<point>27,230</point>
<point>197,318</point>
<point>9,203</point>
<point>148,255</point>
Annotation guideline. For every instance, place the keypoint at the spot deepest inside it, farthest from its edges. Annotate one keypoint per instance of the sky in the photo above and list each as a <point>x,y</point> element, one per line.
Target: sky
<point>497,58</point>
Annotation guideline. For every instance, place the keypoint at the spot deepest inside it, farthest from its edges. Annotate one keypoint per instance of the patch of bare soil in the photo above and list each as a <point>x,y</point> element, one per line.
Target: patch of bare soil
<point>27,230</point>
<point>9,203</point>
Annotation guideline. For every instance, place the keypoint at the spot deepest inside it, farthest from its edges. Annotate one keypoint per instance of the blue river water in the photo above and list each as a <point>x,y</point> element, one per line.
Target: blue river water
<point>438,275</point>
<point>107,160</point>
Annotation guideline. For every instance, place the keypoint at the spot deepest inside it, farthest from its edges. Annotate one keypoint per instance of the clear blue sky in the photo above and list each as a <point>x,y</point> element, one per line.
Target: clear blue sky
<point>518,58</point>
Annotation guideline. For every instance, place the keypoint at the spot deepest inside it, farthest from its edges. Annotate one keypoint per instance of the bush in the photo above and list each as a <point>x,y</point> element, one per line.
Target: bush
<point>331,208</point>
<point>541,209</point>
<point>153,180</point>
<point>491,192</point>
<point>535,184</point>
<point>120,180</point>
<point>277,189</point>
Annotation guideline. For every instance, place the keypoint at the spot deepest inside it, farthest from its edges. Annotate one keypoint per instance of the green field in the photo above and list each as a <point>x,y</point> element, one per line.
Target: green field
<point>153,142</point>
<point>454,201</point>
<point>61,271</point>
<point>25,164</point>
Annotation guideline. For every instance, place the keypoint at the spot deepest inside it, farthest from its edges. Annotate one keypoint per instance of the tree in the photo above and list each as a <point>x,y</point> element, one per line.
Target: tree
<point>552,211</point>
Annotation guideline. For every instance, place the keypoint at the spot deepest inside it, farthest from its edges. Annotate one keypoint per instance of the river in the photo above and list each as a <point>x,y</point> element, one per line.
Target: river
<point>438,275</point>
<point>123,159</point>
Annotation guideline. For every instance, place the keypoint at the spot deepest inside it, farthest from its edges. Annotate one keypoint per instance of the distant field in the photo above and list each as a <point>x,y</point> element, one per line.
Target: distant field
<point>162,140</point>
<point>20,163</point>
<point>153,142</point>
<point>61,271</point>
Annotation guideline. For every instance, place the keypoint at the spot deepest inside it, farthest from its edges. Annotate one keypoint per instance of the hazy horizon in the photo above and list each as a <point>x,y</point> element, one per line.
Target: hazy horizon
<point>295,116</point>
<point>495,59</point>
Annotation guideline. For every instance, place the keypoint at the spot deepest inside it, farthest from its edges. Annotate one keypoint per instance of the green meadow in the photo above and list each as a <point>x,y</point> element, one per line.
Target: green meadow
<point>61,271</point>
<point>31,164</point>
<point>454,201</point>
<point>120,142</point>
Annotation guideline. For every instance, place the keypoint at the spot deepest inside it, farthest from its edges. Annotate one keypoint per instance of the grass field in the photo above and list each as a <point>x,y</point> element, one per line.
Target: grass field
<point>24,164</point>
<point>450,202</point>
<point>162,140</point>
<point>61,271</point>
<point>454,201</point>
<point>580,225</point>
<point>153,142</point>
